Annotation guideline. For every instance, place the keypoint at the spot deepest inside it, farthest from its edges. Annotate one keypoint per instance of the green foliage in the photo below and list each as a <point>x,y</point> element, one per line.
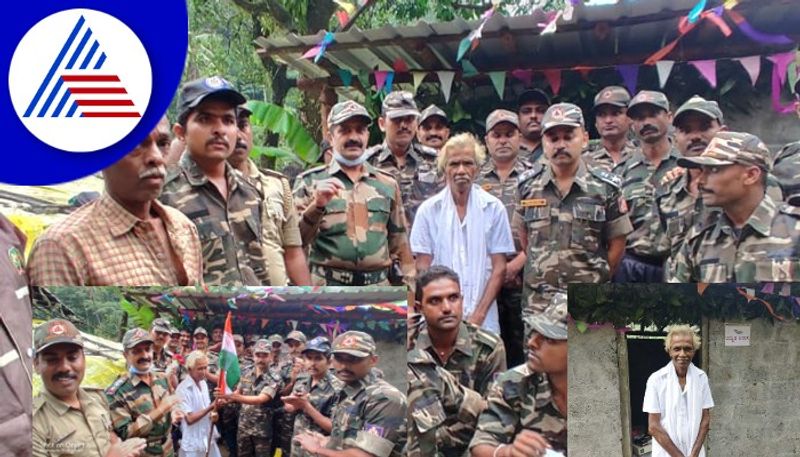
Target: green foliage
<point>140,316</point>
<point>298,144</point>
<point>94,310</point>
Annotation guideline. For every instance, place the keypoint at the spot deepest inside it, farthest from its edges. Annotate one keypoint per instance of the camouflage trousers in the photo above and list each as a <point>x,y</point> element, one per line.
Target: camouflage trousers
<point>509,308</point>
<point>283,425</point>
<point>253,446</point>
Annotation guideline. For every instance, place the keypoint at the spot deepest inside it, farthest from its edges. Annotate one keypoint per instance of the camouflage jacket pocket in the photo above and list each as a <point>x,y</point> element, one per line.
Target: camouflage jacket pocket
<point>379,211</point>
<point>537,223</point>
<point>588,219</point>
<point>776,270</point>
<point>428,414</point>
<point>713,272</point>
<point>334,222</point>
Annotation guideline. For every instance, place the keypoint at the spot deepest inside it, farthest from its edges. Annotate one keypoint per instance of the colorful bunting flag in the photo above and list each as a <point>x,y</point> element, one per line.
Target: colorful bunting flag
<point>526,76</point>
<point>380,79</point>
<point>399,65</point>
<point>346,76</point>
<point>630,75</point>
<point>446,80</point>
<point>468,69</point>
<point>752,65</point>
<point>554,79</point>
<point>707,68</point>
<point>664,68</point>
<point>499,82</point>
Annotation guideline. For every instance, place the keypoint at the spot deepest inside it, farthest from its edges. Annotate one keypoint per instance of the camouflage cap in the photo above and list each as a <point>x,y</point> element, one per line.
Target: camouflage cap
<point>501,115</point>
<point>432,111</point>
<point>275,338</point>
<point>533,95</point>
<point>552,322</point>
<point>251,339</point>
<point>262,346</point>
<point>358,344</point>
<point>319,344</point>
<point>161,325</point>
<point>700,105</point>
<point>562,114</point>
<point>728,148</point>
<point>296,335</point>
<point>345,110</point>
<point>194,92</point>
<point>200,331</point>
<point>238,338</point>
<point>612,95</point>
<point>174,330</point>
<point>56,331</point>
<point>398,104</point>
<point>649,97</point>
<point>135,336</point>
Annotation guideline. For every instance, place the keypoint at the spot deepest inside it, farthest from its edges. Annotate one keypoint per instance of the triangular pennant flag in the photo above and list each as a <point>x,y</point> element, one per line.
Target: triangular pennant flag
<point>380,79</point>
<point>418,77</point>
<point>343,17</point>
<point>363,78</point>
<point>312,52</point>
<point>781,62</point>
<point>584,71</point>
<point>707,68</point>
<point>554,79</point>
<point>750,293</point>
<point>499,82</point>
<point>399,65</point>
<point>701,287</point>
<point>786,289</point>
<point>463,47</point>
<point>264,322</point>
<point>664,68</point>
<point>630,74</point>
<point>768,288</point>
<point>792,74</point>
<point>293,324</point>
<point>345,76</point>
<point>387,85</point>
<point>526,76</point>
<point>469,69</point>
<point>752,65</point>
<point>446,79</point>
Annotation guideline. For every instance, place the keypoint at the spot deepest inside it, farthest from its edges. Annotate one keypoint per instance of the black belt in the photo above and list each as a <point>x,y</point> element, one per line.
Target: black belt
<point>650,260</point>
<point>351,277</point>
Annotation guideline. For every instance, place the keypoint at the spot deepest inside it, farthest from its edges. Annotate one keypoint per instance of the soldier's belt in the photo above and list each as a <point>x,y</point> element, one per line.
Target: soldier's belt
<point>648,259</point>
<point>350,277</point>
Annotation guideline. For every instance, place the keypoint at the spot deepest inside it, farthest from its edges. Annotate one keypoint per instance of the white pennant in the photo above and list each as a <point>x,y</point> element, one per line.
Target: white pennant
<point>752,65</point>
<point>664,68</point>
<point>446,79</point>
<point>418,77</point>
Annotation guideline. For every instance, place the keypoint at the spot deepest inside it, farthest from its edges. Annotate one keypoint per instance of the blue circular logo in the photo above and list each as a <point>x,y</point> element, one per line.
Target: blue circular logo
<point>87,81</point>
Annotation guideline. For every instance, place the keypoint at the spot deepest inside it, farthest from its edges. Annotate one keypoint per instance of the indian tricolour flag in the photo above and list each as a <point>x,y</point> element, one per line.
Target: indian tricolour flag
<point>229,373</point>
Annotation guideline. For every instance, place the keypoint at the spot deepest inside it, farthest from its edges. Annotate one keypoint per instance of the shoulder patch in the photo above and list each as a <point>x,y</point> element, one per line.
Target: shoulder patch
<point>486,337</point>
<point>112,389</point>
<point>373,151</point>
<point>310,171</point>
<point>606,176</point>
<point>528,174</point>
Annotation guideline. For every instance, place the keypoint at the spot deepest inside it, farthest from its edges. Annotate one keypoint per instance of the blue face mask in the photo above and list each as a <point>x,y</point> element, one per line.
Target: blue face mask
<point>133,370</point>
<point>347,162</point>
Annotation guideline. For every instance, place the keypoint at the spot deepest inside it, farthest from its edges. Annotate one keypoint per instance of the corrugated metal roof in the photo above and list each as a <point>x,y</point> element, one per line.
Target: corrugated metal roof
<point>636,29</point>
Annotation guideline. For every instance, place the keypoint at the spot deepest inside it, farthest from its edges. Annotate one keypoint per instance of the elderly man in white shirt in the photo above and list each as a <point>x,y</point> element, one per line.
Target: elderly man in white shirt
<point>678,399</point>
<point>465,228</point>
<point>200,411</point>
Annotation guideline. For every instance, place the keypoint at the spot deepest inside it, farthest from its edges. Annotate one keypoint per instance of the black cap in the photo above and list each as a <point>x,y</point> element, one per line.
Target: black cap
<point>533,95</point>
<point>194,92</point>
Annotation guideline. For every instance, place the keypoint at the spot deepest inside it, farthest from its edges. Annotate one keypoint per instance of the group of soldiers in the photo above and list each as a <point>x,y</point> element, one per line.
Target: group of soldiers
<point>294,397</point>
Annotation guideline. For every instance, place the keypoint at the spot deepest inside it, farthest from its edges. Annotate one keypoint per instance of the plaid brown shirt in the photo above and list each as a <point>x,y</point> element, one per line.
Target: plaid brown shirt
<point>101,244</point>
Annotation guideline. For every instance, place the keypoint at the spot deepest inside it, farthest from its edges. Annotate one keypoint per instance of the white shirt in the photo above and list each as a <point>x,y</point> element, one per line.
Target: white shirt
<point>655,402</point>
<point>195,398</point>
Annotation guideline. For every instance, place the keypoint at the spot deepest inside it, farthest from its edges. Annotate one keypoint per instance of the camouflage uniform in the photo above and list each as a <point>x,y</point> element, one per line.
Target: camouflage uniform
<point>230,229</point>
<point>130,399</point>
<point>521,398</point>
<point>765,249</point>
<point>478,355</point>
<point>598,156</point>
<point>419,178</point>
<point>162,361</point>
<point>254,435</point>
<point>442,413</point>
<point>354,239</point>
<point>321,396</point>
<point>532,157</point>
<point>787,171</point>
<point>280,220</point>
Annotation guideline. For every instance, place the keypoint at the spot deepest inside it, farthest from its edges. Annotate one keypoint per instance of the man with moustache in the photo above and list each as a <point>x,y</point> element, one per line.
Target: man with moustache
<point>613,124</point>
<point>433,130</point>
<point>411,164</point>
<point>500,177</point>
<point>352,213</point>
<point>369,416</point>
<point>289,372</point>
<point>647,247</point>
<point>186,341</point>
<point>69,419</point>
<point>752,238</point>
<point>678,399</point>
<point>125,237</point>
<point>314,394</point>
<point>174,344</point>
<point>531,106</point>
<point>140,400</point>
<point>159,331</point>
<point>200,412</point>
<point>572,219</point>
<point>223,204</point>
<point>527,405</point>
<point>284,247</point>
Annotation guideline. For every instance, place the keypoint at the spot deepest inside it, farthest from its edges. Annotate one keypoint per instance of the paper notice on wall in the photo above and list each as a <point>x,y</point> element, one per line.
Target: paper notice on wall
<point>737,335</point>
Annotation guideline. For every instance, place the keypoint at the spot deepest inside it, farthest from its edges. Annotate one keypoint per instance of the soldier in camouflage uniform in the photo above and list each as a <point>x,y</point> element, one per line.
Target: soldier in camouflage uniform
<point>572,219</point>
<point>436,398</point>
<point>160,331</point>
<point>313,395</point>
<point>412,164</point>
<point>527,405</point>
<point>471,354</point>
<point>370,413</point>
<point>434,128</point>
<point>613,125</point>
<point>531,106</point>
<point>223,204</point>
<point>753,238</point>
<point>787,163</point>
<point>647,248</point>
<point>140,400</point>
<point>500,177</point>
<point>352,213</point>
<point>69,419</point>
<point>255,390</point>
<point>284,247</point>
<point>289,372</point>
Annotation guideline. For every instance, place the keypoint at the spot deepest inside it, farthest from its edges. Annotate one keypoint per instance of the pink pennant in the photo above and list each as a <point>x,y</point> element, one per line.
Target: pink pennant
<point>380,79</point>
<point>342,17</point>
<point>526,76</point>
<point>399,65</point>
<point>312,52</point>
<point>752,65</point>
<point>768,288</point>
<point>707,68</point>
<point>554,78</point>
<point>781,64</point>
